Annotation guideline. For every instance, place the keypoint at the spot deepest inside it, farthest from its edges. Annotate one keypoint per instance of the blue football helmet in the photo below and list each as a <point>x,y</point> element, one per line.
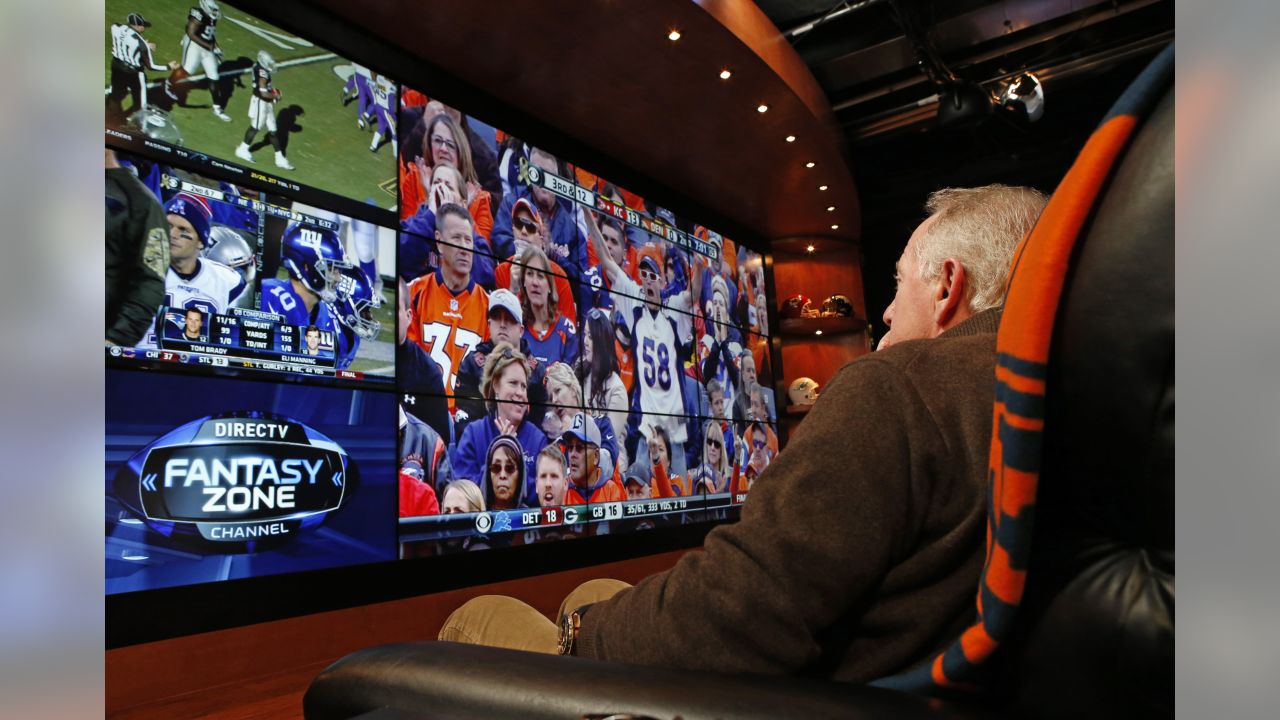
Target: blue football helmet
<point>354,304</point>
<point>315,257</point>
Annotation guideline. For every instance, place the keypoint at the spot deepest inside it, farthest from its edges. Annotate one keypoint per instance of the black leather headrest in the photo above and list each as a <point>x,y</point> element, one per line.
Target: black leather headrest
<point>1097,637</point>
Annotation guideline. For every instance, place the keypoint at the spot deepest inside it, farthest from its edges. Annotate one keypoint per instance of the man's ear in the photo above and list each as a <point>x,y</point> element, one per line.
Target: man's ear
<point>950,305</point>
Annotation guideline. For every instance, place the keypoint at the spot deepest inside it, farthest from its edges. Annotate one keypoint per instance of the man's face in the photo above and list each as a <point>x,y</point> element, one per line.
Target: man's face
<point>651,283</point>
<point>525,229</point>
<point>579,455</point>
<point>911,314</point>
<point>637,491</point>
<point>756,408</point>
<point>748,371</point>
<point>503,475</point>
<point>454,502</point>
<point>194,322</point>
<point>614,243</point>
<point>544,198</point>
<point>456,243</point>
<point>184,243</point>
<point>717,405</point>
<point>444,148</point>
<point>551,483</point>
<point>503,327</point>
<point>313,341</point>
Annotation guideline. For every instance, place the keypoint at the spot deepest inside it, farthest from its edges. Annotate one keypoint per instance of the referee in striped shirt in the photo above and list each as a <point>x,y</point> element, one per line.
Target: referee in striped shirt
<point>130,59</point>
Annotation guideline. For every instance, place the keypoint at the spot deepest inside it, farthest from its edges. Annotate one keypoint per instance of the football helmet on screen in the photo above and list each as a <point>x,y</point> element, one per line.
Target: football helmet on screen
<point>231,249</point>
<point>837,306</point>
<point>315,257</point>
<point>803,391</point>
<point>210,8</point>
<point>798,306</point>
<point>267,62</point>
<point>354,303</point>
<point>156,124</point>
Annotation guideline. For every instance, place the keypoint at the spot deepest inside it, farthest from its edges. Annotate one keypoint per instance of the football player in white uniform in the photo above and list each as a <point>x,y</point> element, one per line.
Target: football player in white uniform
<point>200,51</point>
<point>192,281</point>
<point>659,340</point>
<point>262,113</point>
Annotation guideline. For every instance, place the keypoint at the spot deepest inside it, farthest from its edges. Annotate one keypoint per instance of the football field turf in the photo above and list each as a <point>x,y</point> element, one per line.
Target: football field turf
<point>322,139</point>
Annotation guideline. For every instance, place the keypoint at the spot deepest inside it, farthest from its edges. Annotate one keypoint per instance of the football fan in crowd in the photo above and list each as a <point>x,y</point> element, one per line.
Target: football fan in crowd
<point>553,474</point>
<point>504,386</point>
<point>505,474</point>
<point>461,496</point>
<point>449,308</point>
<point>552,337</point>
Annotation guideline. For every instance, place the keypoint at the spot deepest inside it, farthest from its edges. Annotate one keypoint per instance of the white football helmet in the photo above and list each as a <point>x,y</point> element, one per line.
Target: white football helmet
<point>266,61</point>
<point>210,8</point>
<point>803,391</point>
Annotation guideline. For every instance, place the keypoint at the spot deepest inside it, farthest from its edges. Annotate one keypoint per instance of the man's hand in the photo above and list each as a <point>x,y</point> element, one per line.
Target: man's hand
<point>173,64</point>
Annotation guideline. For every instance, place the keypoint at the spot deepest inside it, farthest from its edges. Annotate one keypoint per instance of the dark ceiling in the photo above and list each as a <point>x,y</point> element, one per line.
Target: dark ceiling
<point>1085,52</point>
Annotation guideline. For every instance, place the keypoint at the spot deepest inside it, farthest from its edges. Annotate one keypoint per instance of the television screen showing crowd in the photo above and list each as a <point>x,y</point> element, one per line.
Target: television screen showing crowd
<point>563,341</point>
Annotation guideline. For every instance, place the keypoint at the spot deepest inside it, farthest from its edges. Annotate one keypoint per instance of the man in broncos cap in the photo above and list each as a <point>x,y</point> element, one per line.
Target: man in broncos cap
<point>591,476</point>
<point>506,324</point>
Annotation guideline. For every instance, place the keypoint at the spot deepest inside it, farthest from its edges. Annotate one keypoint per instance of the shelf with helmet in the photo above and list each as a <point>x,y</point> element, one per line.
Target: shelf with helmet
<point>802,393</point>
<point>800,316</point>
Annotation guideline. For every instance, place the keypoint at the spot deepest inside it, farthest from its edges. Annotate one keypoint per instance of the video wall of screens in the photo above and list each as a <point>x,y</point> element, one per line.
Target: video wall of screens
<point>347,323</point>
<point>585,361</point>
<point>215,87</point>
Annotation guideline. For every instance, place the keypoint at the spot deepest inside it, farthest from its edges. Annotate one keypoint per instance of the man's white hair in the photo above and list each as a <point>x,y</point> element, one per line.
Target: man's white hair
<point>981,228</point>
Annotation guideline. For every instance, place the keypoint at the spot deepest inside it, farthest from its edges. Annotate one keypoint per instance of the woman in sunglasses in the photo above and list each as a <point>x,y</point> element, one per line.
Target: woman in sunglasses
<point>712,476</point>
<point>552,336</point>
<point>504,483</point>
<point>505,386</point>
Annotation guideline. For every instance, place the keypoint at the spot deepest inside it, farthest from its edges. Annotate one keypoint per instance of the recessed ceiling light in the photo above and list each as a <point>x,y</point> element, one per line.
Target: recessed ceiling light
<point>835,227</point>
<point>831,208</point>
<point>817,332</point>
<point>823,188</point>
<point>725,74</point>
<point>809,164</point>
<point>674,35</point>
<point>762,108</point>
<point>791,138</point>
<point>809,249</point>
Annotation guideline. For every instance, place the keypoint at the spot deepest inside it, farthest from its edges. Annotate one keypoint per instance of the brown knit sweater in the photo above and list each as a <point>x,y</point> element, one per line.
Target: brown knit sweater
<point>859,549</point>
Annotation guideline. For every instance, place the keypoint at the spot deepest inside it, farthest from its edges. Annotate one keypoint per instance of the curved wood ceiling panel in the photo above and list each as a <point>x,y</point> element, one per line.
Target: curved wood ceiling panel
<point>604,72</point>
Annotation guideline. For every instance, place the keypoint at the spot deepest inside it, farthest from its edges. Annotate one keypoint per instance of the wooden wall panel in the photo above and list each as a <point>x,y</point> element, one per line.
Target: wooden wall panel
<point>148,673</point>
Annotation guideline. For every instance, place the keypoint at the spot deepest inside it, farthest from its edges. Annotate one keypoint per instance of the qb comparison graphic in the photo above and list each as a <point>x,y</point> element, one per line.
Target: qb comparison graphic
<point>348,322</point>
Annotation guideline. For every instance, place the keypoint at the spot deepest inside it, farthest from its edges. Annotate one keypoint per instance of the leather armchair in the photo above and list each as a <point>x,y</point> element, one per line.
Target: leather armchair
<point>1094,636</point>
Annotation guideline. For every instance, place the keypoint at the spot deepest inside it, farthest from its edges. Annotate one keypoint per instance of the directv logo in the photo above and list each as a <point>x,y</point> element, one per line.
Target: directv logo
<point>235,478</point>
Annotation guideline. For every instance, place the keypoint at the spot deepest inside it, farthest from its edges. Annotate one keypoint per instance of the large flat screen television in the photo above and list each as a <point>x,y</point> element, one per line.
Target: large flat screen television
<point>371,333</point>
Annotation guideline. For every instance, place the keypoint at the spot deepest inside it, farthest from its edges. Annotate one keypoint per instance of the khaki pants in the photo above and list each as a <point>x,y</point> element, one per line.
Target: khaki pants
<point>501,621</point>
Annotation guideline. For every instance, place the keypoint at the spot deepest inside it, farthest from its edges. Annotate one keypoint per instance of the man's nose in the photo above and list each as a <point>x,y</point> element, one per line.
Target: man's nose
<point>888,315</point>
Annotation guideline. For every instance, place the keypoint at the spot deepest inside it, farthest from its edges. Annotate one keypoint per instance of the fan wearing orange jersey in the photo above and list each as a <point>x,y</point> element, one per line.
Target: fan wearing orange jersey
<point>449,310</point>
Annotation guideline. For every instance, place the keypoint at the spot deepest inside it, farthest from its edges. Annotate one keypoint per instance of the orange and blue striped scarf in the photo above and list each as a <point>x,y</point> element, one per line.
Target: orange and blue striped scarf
<point>1022,354</point>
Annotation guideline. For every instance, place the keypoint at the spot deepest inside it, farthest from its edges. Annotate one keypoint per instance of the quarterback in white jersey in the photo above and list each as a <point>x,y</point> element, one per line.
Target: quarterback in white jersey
<point>192,281</point>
